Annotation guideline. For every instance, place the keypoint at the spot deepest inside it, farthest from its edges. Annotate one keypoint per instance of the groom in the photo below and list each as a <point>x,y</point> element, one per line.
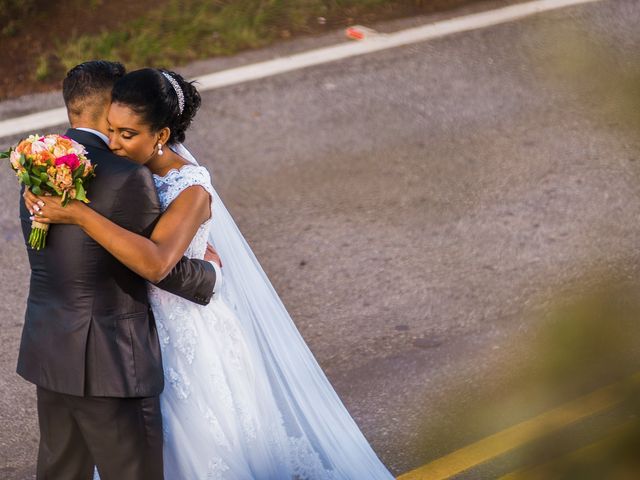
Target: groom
<point>89,341</point>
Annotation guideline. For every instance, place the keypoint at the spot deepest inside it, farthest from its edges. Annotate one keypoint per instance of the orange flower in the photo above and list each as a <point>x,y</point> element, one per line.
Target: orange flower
<point>43,158</point>
<point>65,143</point>
<point>24,147</point>
<point>64,178</point>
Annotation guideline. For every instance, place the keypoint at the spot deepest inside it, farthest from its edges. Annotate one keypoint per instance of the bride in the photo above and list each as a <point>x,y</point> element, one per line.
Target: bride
<point>244,396</point>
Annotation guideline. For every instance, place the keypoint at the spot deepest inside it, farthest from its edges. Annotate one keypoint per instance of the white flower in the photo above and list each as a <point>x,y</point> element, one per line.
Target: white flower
<point>38,146</point>
<point>15,159</point>
<point>59,151</point>
<point>77,148</point>
<point>50,141</point>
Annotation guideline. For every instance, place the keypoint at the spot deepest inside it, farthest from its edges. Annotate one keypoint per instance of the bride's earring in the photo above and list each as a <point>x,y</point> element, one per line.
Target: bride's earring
<point>160,152</point>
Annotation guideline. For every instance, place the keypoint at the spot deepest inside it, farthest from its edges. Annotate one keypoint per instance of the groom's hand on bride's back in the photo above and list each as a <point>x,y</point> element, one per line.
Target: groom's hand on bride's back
<point>212,256</point>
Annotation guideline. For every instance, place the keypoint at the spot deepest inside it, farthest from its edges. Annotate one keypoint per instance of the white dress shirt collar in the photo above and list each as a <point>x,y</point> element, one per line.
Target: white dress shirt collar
<point>100,135</point>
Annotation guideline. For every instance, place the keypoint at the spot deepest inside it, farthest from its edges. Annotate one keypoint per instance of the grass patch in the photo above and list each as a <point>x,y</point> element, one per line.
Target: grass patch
<point>181,31</point>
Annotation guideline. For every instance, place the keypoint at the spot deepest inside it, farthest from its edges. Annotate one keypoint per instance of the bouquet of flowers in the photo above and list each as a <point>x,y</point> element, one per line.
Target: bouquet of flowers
<point>50,165</point>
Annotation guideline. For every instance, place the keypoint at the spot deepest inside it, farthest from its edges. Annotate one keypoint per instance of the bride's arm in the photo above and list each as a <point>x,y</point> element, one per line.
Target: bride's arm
<point>151,258</point>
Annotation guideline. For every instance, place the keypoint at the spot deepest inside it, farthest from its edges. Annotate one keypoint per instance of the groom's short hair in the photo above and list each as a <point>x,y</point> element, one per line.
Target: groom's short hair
<point>88,82</point>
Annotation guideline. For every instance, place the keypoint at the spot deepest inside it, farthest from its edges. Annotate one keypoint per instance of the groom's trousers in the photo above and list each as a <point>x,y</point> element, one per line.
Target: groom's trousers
<point>121,436</point>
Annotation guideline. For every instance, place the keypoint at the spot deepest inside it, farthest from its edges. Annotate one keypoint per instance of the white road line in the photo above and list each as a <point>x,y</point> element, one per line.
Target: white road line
<point>33,122</point>
<point>319,56</point>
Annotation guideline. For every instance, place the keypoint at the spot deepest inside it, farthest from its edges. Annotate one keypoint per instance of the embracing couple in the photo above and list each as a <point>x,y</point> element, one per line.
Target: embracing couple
<point>149,362</point>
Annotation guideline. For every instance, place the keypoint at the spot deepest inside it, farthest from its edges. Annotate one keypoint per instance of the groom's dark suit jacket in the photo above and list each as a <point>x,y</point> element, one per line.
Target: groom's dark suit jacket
<point>88,326</point>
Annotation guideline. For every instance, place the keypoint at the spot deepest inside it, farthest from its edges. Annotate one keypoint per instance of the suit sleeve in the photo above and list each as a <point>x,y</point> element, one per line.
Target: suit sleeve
<point>191,279</point>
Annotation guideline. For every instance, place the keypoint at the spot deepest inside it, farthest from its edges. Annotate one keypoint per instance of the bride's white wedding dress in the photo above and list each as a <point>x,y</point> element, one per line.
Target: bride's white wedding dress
<point>220,417</point>
<point>244,397</point>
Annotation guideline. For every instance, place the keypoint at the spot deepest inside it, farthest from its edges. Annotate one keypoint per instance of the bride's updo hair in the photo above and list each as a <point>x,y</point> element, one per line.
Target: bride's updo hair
<point>149,93</point>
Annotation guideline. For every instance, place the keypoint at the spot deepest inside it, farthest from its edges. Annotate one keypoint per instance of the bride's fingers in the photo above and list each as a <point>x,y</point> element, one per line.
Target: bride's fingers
<point>45,209</point>
<point>43,212</point>
<point>35,205</point>
<point>29,195</point>
<point>50,212</point>
<point>40,218</point>
<point>30,200</point>
<point>30,206</point>
<point>42,201</point>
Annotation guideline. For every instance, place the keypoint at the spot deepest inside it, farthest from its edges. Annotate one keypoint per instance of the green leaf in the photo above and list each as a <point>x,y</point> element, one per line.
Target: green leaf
<point>36,190</point>
<point>43,176</point>
<point>80,192</point>
<point>35,180</point>
<point>24,178</point>
<point>78,172</point>
<point>53,187</point>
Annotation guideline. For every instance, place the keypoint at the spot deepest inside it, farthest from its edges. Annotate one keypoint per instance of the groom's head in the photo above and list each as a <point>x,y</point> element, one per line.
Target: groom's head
<point>87,93</point>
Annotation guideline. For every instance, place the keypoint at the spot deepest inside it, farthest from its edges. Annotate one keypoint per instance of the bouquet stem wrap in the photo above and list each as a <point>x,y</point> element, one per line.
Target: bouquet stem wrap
<point>38,235</point>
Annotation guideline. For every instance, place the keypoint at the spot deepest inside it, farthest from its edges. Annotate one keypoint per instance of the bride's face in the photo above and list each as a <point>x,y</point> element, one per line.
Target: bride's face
<point>129,135</point>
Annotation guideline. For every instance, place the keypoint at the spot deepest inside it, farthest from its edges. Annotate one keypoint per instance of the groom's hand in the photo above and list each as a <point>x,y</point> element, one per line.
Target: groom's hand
<point>212,256</point>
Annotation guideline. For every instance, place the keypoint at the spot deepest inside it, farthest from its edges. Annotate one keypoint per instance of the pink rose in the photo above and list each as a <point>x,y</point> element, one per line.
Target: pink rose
<point>71,160</point>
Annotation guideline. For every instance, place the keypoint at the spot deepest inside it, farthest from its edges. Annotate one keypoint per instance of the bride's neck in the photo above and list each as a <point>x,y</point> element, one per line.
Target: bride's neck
<point>161,164</point>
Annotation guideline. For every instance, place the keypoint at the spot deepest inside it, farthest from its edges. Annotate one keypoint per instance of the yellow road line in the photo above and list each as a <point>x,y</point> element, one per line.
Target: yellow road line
<point>521,434</point>
<point>588,451</point>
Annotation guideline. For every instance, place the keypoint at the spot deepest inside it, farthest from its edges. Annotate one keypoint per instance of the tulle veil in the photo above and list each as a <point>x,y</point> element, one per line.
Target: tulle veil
<point>309,403</point>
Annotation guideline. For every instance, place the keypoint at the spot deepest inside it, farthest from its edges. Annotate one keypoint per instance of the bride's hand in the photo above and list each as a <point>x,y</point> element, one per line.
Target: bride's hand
<point>50,209</point>
<point>30,200</point>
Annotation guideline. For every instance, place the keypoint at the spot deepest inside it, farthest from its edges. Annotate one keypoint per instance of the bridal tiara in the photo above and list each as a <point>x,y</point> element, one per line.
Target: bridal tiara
<point>178,90</point>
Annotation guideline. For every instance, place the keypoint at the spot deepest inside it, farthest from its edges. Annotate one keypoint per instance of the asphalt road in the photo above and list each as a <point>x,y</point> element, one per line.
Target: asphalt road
<point>417,209</point>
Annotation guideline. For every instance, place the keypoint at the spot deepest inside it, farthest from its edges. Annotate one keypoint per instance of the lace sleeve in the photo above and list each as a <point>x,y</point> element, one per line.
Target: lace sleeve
<point>174,182</point>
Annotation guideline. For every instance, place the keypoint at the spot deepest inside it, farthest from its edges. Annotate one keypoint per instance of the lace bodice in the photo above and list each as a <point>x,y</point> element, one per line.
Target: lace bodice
<point>171,185</point>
